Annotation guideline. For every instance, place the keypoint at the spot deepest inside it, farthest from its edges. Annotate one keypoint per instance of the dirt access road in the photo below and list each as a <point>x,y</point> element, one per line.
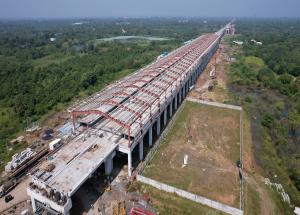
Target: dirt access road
<point>19,193</point>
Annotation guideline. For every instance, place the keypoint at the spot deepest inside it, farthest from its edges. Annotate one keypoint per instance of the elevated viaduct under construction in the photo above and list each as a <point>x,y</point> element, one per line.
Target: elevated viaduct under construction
<point>126,115</point>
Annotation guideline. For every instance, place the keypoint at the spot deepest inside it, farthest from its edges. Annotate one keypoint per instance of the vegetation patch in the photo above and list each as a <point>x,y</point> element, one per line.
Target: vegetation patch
<point>168,203</point>
<point>254,62</point>
<point>269,93</point>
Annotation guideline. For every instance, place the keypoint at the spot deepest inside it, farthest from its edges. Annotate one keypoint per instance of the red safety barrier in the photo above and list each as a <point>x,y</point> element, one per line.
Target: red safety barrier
<point>139,211</point>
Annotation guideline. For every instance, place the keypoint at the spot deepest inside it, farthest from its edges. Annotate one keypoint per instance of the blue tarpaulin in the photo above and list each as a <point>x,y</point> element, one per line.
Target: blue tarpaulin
<point>67,128</point>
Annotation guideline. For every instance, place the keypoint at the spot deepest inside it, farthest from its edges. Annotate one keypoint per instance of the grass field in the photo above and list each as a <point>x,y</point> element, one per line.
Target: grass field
<point>167,203</point>
<point>210,137</point>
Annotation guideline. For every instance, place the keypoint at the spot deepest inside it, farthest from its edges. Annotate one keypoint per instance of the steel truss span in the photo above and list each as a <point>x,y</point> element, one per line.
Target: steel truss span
<point>125,106</point>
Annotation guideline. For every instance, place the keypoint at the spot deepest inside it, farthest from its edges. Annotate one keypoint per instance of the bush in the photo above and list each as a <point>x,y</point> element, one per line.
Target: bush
<point>267,120</point>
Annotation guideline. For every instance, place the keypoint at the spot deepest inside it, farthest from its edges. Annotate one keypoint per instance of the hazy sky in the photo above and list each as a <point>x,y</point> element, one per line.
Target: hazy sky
<point>100,8</point>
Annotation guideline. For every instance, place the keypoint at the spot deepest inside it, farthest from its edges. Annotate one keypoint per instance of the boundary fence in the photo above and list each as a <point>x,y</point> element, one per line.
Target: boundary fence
<point>199,199</point>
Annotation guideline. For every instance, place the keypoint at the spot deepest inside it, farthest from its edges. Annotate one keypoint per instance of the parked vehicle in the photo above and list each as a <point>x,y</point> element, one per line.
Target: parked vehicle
<point>8,198</point>
<point>55,144</point>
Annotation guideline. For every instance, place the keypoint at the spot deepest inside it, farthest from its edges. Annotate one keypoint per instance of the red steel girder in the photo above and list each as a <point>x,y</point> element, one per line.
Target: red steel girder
<point>77,113</point>
<point>134,81</point>
<point>170,76</point>
<point>186,61</point>
<point>148,75</point>
<point>136,113</point>
<point>147,104</point>
<point>180,66</point>
<point>188,58</point>
<point>158,86</point>
<point>184,64</point>
<point>112,102</point>
<point>143,90</point>
<point>132,97</point>
<point>150,93</point>
<point>120,93</point>
<point>140,80</point>
<point>128,86</point>
<point>165,81</point>
<point>178,74</point>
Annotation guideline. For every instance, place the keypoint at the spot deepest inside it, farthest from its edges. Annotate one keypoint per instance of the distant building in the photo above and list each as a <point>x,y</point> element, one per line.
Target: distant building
<point>52,39</point>
<point>77,23</point>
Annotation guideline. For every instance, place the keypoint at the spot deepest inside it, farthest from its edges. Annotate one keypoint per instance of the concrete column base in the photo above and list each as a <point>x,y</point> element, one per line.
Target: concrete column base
<point>129,155</point>
<point>150,136</point>
<point>141,149</point>
<point>158,126</point>
<point>108,165</point>
<point>180,96</point>
<point>171,108</point>
<point>165,117</point>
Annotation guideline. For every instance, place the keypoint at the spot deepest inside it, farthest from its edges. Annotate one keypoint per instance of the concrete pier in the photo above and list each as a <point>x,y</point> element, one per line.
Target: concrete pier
<point>158,126</point>
<point>109,164</point>
<point>129,157</point>
<point>150,140</point>
<point>141,149</point>
<point>165,117</point>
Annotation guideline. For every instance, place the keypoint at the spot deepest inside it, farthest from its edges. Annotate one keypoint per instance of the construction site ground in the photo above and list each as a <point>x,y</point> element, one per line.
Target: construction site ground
<point>219,91</point>
<point>19,203</point>
<point>210,137</point>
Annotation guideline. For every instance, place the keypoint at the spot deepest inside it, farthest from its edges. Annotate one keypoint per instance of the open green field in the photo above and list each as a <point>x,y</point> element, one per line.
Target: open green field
<point>210,136</point>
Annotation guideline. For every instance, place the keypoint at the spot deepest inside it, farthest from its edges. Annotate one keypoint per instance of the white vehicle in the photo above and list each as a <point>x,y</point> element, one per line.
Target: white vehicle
<point>55,144</point>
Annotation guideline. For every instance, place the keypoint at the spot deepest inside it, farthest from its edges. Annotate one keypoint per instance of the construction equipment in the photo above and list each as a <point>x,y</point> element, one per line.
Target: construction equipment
<point>139,211</point>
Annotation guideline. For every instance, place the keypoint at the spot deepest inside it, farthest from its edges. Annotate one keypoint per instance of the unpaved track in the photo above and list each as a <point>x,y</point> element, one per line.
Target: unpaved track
<point>19,193</point>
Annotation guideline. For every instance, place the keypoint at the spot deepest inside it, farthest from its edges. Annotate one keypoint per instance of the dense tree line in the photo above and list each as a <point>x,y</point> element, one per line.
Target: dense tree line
<point>267,77</point>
